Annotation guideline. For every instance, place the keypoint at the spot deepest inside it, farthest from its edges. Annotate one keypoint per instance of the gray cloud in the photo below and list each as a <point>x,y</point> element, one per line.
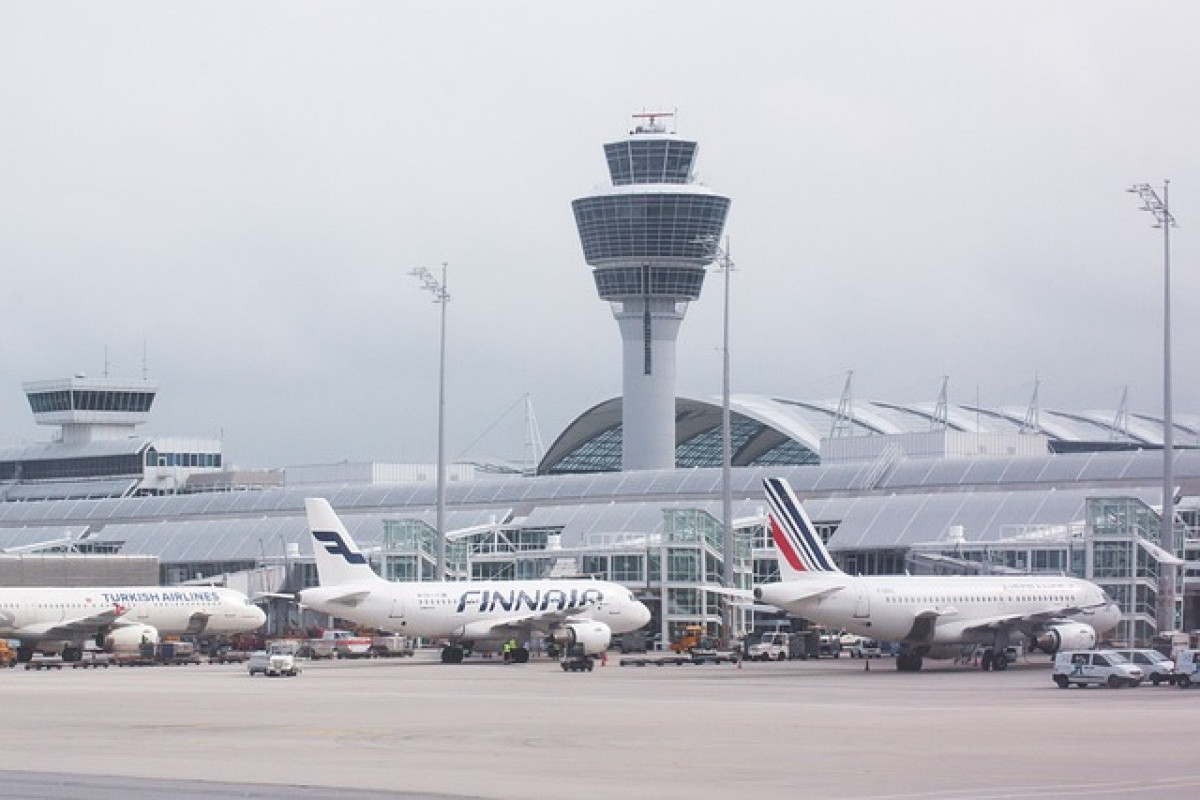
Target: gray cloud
<point>919,190</point>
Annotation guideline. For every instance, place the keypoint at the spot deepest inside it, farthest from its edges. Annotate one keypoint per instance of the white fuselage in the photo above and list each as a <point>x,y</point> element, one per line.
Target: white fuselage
<point>27,613</point>
<point>469,609</point>
<point>891,608</point>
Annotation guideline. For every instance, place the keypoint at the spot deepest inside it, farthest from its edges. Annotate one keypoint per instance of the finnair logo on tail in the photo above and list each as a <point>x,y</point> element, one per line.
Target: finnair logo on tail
<point>335,546</point>
<point>793,532</point>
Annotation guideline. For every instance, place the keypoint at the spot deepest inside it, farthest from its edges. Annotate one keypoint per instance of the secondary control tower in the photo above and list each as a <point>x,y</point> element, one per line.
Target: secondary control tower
<point>648,239</point>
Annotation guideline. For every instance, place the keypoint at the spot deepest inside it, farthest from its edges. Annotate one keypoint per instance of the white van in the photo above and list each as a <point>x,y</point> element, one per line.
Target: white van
<point>1156,667</point>
<point>1101,667</point>
<point>1187,665</point>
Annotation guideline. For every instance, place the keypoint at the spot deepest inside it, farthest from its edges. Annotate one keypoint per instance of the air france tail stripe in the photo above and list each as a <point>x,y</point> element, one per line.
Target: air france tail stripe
<point>794,548</point>
<point>802,528</point>
<point>796,529</point>
<point>785,546</point>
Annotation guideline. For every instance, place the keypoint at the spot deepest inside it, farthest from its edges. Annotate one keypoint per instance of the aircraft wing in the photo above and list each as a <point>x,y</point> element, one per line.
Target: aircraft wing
<point>1023,621</point>
<point>71,628</point>
<point>518,624</point>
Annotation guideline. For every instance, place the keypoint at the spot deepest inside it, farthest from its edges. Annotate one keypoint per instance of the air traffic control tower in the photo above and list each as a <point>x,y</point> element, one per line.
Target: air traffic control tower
<point>648,239</point>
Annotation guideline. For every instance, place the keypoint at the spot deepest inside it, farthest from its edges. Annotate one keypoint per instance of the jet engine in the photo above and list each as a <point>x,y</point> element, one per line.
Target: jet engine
<point>129,638</point>
<point>1065,636</point>
<point>594,636</point>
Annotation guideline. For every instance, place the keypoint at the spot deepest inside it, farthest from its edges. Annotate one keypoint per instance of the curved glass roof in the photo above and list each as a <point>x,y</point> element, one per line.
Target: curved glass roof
<point>781,431</point>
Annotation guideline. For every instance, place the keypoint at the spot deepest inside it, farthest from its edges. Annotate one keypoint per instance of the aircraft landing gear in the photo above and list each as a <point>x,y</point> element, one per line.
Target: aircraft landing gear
<point>452,654</point>
<point>908,662</point>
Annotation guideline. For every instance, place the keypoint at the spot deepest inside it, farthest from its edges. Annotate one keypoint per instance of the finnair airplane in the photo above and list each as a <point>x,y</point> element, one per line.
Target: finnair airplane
<point>933,616</point>
<point>53,620</point>
<point>467,613</point>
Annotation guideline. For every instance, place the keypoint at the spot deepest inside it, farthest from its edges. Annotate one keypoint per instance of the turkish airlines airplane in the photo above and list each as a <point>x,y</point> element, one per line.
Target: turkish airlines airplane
<point>52,620</point>
<point>468,613</point>
<point>930,616</point>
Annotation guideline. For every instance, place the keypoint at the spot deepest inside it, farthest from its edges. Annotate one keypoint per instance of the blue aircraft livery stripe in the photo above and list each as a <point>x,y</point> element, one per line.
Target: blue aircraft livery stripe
<point>335,545</point>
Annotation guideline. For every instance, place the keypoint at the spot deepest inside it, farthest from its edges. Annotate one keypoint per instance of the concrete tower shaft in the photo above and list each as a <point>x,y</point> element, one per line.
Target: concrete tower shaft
<point>648,238</point>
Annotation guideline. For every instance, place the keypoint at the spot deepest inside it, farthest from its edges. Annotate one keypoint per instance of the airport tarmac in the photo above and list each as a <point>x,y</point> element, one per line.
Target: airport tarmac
<point>418,728</point>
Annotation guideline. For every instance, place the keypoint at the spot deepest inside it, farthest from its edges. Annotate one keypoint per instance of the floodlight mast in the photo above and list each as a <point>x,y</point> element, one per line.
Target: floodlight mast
<point>1160,209</point>
<point>729,575</point>
<point>441,297</point>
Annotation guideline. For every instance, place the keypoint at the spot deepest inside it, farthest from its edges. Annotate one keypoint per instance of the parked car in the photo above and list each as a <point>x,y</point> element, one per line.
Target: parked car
<point>1156,667</point>
<point>1101,667</point>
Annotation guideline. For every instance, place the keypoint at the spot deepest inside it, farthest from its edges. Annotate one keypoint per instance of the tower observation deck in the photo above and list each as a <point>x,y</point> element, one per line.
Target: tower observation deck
<point>648,238</point>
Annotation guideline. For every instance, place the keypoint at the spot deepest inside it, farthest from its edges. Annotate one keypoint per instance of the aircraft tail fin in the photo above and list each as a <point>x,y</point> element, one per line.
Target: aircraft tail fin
<point>338,557</point>
<point>801,551</point>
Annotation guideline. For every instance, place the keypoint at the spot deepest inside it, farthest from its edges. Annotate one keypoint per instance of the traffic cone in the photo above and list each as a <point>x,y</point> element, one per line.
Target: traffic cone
<point>604,659</point>
<point>866,665</point>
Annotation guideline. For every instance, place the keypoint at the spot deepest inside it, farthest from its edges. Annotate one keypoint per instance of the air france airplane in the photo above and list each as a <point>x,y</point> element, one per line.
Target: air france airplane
<point>932,616</point>
<point>64,619</point>
<point>467,613</point>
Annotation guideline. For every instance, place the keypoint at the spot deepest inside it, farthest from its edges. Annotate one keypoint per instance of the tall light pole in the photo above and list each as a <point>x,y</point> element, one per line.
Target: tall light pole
<point>728,574</point>
<point>1161,210</point>
<point>442,298</point>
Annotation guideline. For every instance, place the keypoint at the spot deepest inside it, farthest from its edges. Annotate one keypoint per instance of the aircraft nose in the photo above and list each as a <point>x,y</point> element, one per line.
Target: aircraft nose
<point>641,614</point>
<point>260,617</point>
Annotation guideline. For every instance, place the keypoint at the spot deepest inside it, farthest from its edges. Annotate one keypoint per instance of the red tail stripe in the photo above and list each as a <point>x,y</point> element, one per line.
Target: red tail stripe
<point>785,547</point>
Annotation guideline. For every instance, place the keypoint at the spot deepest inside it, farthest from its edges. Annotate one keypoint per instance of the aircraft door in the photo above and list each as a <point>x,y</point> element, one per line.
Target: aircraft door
<point>397,612</point>
<point>862,606</point>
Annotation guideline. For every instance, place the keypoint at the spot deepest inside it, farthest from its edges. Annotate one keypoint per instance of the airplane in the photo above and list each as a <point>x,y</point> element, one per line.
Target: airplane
<point>63,620</point>
<point>929,616</point>
<point>467,613</point>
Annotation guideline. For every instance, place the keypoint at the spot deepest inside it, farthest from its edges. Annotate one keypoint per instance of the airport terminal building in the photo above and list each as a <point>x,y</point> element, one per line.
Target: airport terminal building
<point>915,488</point>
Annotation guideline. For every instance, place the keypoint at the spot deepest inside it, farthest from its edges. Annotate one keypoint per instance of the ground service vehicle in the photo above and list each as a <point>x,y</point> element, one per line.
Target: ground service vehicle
<point>691,638</point>
<point>1187,668</point>
<point>1101,667</point>
<point>866,648</point>
<point>1156,667</point>
<point>8,656</point>
<point>272,663</point>
<point>773,646</point>
<point>341,644</point>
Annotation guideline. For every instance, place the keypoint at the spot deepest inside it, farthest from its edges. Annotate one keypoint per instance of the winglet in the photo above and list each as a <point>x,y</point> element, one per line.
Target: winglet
<point>338,558</point>
<point>801,551</point>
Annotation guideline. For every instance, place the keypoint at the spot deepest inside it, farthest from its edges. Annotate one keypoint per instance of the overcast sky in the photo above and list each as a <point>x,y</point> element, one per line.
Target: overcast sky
<point>920,189</point>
